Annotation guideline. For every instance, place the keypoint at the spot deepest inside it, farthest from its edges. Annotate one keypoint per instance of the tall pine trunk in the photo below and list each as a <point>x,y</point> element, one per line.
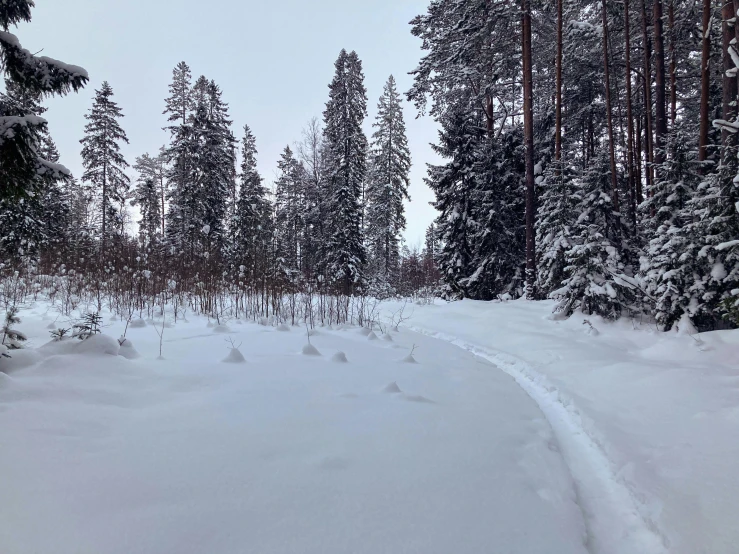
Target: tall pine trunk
<point>528,118</point>
<point>673,64</point>
<point>728,140</point>
<point>648,127</point>
<point>660,113</point>
<point>705,81</point>
<point>629,116</point>
<point>558,123</point>
<point>609,110</point>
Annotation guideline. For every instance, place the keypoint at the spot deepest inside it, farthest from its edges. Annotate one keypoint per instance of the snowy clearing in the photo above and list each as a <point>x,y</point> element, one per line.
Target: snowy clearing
<point>279,452</point>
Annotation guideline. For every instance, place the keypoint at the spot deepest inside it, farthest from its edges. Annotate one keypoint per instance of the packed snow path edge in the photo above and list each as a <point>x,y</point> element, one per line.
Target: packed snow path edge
<point>614,521</point>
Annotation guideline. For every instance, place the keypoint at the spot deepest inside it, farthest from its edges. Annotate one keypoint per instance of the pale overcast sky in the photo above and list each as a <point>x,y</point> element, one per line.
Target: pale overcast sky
<point>272,59</point>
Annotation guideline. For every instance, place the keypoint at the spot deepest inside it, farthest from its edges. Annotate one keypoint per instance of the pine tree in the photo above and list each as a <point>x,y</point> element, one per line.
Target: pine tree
<point>105,165</point>
<point>20,160</point>
<point>214,165</point>
<point>179,106</point>
<point>155,168</point>
<point>346,167</point>
<point>311,153</point>
<point>203,158</point>
<point>55,201</point>
<point>289,209</point>
<point>250,224</point>
<point>388,184</point>
<point>146,197</point>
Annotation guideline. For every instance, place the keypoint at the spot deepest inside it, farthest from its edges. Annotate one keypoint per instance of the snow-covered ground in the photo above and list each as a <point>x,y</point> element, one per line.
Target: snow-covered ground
<point>648,422</point>
<point>285,453</point>
<point>513,433</point>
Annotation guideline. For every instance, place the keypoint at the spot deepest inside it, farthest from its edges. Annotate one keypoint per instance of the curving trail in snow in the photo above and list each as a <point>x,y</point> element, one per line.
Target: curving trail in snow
<point>615,519</point>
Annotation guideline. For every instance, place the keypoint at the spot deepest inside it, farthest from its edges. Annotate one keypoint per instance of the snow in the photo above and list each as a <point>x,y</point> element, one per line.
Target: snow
<point>505,430</point>
<point>648,422</point>
<point>285,454</point>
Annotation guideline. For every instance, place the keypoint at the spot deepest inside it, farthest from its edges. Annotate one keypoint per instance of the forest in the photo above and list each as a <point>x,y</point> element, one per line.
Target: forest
<point>592,160</point>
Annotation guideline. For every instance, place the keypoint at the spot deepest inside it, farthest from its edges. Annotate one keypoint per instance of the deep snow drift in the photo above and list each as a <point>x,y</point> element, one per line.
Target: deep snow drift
<point>105,452</point>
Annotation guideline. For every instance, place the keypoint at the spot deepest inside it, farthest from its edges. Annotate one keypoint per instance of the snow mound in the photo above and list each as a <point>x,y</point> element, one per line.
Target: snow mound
<point>339,358</point>
<point>19,359</point>
<point>283,327</point>
<point>310,350</point>
<point>127,350</point>
<point>221,329</point>
<point>418,398</point>
<point>137,324</point>
<point>387,337</point>
<point>98,345</point>
<point>51,326</point>
<point>234,357</point>
<point>4,380</point>
<point>685,326</point>
<point>409,359</point>
<point>372,336</point>
<point>362,330</point>
<point>392,388</point>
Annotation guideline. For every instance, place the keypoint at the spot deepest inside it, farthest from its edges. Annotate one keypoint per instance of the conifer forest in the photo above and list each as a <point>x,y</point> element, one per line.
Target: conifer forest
<point>592,160</point>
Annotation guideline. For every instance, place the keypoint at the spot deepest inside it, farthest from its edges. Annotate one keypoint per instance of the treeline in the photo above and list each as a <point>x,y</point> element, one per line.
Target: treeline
<point>593,159</point>
<point>331,225</point>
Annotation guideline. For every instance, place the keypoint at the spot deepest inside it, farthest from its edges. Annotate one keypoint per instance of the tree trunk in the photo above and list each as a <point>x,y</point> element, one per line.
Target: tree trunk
<point>673,65</point>
<point>609,114</point>
<point>629,117</point>
<point>660,114</point>
<point>558,124</point>
<point>104,204</point>
<point>528,117</point>
<point>728,139</point>
<point>637,159</point>
<point>647,62</point>
<point>705,82</point>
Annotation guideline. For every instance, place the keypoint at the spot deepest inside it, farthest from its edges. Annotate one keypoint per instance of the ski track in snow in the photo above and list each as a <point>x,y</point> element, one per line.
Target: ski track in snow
<point>615,523</point>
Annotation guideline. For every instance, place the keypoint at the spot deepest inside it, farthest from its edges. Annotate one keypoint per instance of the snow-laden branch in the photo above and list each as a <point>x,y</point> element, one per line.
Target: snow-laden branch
<point>41,73</point>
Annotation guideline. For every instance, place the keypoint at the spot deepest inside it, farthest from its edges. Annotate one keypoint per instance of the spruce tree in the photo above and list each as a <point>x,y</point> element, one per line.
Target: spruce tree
<point>596,281</point>
<point>346,168</point>
<point>250,224</point>
<point>289,209</point>
<point>22,226</point>
<point>20,159</point>
<point>155,168</point>
<point>387,185</point>
<point>179,107</point>
<point>555,225</point>
<point>453,184</point>
<point>146,197</point>
<point>105,165</point>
